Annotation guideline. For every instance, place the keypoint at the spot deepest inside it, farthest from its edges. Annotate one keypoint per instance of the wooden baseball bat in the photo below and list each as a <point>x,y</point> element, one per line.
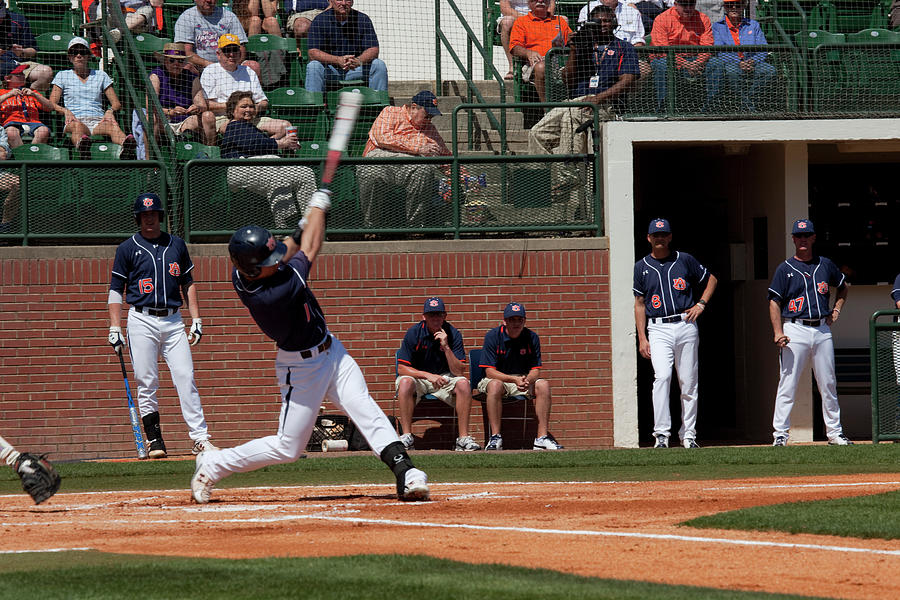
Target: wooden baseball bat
<point>344,121</point>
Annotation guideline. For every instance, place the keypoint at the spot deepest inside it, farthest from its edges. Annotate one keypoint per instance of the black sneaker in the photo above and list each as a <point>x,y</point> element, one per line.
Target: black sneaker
<point>157,449</point>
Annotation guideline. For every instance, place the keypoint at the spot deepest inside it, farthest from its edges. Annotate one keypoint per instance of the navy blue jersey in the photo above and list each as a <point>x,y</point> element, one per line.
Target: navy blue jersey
<point>801,288</point>
<point>283,305</point>
<point>152,273</point>
<point>421,351</point>
<point>667,285</point>
<point>895,293</point>
<point>511,356</point>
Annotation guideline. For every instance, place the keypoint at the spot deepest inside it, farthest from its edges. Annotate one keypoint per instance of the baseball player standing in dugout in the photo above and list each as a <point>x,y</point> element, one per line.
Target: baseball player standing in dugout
<point>799,300</point>
<point>666,317</point>
<point>271,279</point>
<point>154,270</point>
<point>432,360</point>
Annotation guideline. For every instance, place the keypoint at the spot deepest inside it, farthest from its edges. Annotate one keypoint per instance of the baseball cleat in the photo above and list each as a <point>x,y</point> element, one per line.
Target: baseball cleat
<point>157,449</point>
<point>781,440</point>
<point>415,486</point>
<point>201,483</point>
<point>202,446</point>
<point>495,443</point>
<point>661,441</point>
<point>546,442</point>
<point>466,444</point>
<point>840,440</point>
<point>408,441</point>
<point>690,443</point>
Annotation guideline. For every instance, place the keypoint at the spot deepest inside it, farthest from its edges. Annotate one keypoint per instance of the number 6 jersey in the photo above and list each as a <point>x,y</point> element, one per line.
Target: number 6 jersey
<point>667,284</point>
<point>801,288</point>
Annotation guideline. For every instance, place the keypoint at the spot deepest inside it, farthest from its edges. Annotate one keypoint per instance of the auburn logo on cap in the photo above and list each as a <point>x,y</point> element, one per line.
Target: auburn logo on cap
<point>660,224</point>
<point>515,308</point>
<point>148,201</point>
<point>433,302</point>
<point>801,224</point>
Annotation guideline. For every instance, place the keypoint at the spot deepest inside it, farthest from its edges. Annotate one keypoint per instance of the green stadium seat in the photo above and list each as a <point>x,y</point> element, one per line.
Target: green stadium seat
<point>172,9</point>
<point>304,109</point>
<point>49,15</point>
<point>50,195</point>
<point>268,43</point>
<point>147,44</point>
<point>873,66</point>
<point>51,49</point>
<point>827,69</point>
<point>313,149</point>
<point>39,152</point>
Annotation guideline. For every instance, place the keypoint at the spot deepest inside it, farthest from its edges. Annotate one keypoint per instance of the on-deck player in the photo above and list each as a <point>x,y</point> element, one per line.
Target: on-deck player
<point>271,279</point>
<point>801,320</point>
<point>154,270</point>
<point>666,317</point>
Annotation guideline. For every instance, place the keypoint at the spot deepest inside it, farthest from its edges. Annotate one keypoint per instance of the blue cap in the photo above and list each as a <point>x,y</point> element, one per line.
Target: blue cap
<point>802,226</point>
<point>514,309</point>
<point>434,304</point>
<point>428,101</point>
<point>659,226</point>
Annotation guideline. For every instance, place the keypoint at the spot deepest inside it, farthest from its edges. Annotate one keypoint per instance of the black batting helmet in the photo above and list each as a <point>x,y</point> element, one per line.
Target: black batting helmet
<point>252,248</point>
<point>147,202</point>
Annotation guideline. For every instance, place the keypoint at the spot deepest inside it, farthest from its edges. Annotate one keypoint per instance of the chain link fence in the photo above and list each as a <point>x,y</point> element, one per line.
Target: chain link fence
<point>884,339</point>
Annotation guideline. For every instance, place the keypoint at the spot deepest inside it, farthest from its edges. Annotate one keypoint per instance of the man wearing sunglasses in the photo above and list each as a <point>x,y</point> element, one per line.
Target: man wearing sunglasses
<point>801,314</point>
<point>681,25</point>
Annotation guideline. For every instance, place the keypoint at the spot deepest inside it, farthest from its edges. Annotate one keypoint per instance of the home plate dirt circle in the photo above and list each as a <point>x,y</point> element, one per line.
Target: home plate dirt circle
<point>619,530</point>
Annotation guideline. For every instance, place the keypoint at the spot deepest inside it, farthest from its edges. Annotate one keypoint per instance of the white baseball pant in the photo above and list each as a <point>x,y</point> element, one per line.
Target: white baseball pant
<point>148,338</point>
<point>806,341</point>
<point>330,375</point>
<point>674,344</point>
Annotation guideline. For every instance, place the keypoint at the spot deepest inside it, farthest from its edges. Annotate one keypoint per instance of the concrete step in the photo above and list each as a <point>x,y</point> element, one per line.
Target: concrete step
<point>487,88</point>
<point>480,119</point>
<point>402,91</point>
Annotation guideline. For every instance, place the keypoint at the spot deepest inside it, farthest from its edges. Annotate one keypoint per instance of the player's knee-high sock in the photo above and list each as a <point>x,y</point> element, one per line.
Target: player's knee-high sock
<point>151,426</point>
<point>394,456</point>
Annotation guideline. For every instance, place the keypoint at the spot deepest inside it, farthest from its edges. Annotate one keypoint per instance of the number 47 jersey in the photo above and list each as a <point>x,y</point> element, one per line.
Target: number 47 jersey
<point>802,288</point>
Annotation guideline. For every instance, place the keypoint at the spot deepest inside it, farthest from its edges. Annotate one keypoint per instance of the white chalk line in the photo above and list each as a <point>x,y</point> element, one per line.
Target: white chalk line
<point>43,550</point>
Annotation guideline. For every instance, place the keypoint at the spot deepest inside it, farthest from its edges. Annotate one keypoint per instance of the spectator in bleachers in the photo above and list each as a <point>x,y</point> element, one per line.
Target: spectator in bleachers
<point>81,90</point>
<point>531,38</point>
<point>199,29</point>
<point>300,15</point>
<point>181,95</point>
<point>402,131</point>
<point>257,16</point>
<point>286,188</point>
<point>226,76</point>
<point>16,39</point>
<point>747,73</point>
<point>20,108</point>
<point>630,24</point>
<point>601,78</point>
<point>343,46</point>
<point>650,9</point>
<point>681,25</point>
<point>510,10</point>
<point>9,185</point>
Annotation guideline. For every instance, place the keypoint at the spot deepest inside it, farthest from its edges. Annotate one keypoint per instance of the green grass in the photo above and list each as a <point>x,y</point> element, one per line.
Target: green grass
<point>98,576</point>
<point>586,465</point>
<point>872,516</point>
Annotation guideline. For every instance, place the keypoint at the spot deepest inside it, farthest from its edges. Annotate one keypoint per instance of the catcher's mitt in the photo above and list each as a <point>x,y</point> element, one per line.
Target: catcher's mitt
<point>38,476</point>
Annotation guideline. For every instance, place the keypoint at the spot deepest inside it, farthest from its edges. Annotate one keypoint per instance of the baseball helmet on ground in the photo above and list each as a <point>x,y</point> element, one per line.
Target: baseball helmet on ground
<point>147,202</point>
<point>252,248</point>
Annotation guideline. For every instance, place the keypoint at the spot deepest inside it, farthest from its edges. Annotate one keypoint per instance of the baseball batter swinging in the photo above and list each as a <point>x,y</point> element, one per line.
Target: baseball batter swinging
<point>271,278</point>
<point>799,300</point>
<point>153,269</point>
<point>666,317</point>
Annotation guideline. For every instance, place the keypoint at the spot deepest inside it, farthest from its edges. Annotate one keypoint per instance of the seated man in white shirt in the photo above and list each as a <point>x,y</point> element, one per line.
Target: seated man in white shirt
<point>630,29</point>
<point>219,80</point>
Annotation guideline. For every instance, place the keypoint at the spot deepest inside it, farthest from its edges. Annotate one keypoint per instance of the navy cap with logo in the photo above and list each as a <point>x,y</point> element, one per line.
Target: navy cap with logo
<point>802,226</point>
<point>659,226</point>
<point>434,304</point>
<point>428,101</point>
<point>514,309</point>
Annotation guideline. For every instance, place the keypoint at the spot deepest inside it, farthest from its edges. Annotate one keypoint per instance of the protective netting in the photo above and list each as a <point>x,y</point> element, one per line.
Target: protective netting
<point>886,388</point>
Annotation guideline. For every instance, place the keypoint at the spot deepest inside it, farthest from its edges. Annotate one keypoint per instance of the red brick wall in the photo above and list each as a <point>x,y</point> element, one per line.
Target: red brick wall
<point>61,388</point>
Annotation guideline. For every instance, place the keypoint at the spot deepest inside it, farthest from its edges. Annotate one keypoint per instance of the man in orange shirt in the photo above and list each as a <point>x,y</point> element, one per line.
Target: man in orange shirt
<point>532,36</point>
<point>681,25</point>
<point>20,107</point>
<point>402,131</point>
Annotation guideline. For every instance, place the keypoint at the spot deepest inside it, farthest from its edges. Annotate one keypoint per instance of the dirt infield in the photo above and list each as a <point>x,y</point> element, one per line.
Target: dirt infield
<point>622,530</point>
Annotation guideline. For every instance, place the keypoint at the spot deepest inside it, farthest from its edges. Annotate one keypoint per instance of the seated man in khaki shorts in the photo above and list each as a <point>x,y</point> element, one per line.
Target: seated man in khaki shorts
<point>511,357</point>
<point>301,14</point>
<point>432,360</point>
